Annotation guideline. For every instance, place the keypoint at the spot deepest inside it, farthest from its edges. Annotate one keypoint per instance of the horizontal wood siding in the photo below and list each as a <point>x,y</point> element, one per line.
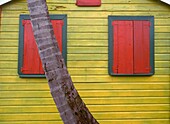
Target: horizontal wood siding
<point>112,100</point>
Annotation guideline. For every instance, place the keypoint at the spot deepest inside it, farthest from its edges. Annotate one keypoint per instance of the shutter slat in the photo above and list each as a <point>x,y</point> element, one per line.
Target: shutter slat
<point>141,47</point>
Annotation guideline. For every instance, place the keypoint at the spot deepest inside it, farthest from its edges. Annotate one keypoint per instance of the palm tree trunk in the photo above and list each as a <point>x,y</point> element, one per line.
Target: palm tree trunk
<point>70,105</point>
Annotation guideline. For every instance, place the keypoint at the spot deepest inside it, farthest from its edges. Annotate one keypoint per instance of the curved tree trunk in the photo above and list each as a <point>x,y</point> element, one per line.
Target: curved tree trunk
<point>71,107</point>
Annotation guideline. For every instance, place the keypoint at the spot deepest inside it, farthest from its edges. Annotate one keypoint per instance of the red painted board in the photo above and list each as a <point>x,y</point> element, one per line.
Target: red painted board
<point>141,47</point>
<point>88,2</point>
<point>123,47</point>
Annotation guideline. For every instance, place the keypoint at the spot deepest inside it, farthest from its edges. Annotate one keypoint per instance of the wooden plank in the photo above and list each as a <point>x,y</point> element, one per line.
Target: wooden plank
<point>78,50</point>
<point>8,64</point>
<point>10,27</point>
<point>89,28</point>
<point>88,71</point>
<point>92,108</point>
<point>81,64</point>
<point>162,29</point>
<point>106,78</point>
<point>87,64</point>
<point>85,43</point>
<point>5,72</point>
<point>162,22</point>
<point>165,36</point>
<point>8,43</point>
<point>8,50</point>
<point>85,36</point>
<point>162,71</point>
<point>88,78</point>
<point>134,121</point>
<point>162,43</point>
<point>162,50</point>
<point>126,100</point>
<point>88,101</point>
<point>158,57</point>
<point>101,115</point>
<point>72,21</point>
<point>8,57</point>
<point>83,57</point>
<point>89,86</point>
<point>35,122</point>
<point>93,14</point>
<point>88,93</point>
<point>162,64</point>
<point>84,49</point>
<point>127,121</point>
<point>162,57</point>
<point>83,71</point>
<point>9,35</point>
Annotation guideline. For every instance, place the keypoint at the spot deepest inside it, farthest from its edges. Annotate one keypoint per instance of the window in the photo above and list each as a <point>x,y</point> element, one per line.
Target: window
<point>131,45</point>
<point>29,63</point>
<point>88,2</point>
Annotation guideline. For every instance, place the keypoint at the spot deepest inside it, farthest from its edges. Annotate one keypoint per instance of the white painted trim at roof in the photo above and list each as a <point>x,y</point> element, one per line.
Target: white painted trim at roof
<point>3,2</point>
<point>166,1</point>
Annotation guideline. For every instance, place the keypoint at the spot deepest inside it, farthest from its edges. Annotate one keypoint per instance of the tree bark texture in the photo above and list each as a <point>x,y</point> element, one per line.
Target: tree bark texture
<point>70,105</point>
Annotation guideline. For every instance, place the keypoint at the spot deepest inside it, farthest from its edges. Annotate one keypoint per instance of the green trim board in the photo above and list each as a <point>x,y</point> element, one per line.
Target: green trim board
<point>21,42</point>
<point>111,41</point>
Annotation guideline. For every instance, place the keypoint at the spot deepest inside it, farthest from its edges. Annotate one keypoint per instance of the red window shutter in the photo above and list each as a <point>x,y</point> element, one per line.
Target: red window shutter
<point>31,60</point>
<point>123,47</point>
<point>141,47</point>
<point>88,2</point>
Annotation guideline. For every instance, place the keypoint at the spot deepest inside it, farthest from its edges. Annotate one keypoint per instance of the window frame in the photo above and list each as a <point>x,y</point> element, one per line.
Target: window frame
<point>110,41</point>
<point>21,42</point>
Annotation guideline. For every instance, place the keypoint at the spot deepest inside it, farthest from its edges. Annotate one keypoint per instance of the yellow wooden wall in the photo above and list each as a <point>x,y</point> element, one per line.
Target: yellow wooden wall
<point>112,100</point>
